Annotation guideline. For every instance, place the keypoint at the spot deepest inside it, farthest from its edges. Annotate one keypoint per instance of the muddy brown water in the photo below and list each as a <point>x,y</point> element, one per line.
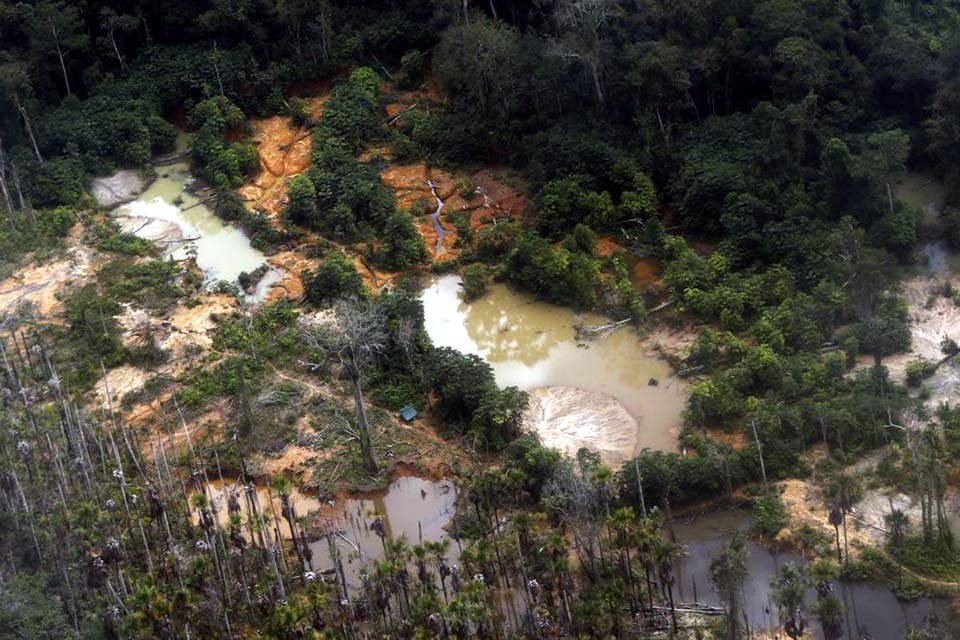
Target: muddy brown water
<point>532,344</point>
<point>923,192</point>
<point>412,508</point>
<point>871,610</point>
<point>222,250</point>
<point>218,492</point>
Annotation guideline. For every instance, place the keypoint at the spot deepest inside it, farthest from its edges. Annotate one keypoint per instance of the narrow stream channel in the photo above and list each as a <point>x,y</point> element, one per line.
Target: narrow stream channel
<point>437,226</point>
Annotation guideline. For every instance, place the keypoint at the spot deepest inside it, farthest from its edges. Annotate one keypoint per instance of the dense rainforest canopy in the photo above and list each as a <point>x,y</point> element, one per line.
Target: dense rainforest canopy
<point>751,149</point>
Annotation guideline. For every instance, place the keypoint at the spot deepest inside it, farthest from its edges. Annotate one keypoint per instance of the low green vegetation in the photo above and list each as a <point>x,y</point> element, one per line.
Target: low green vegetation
<point>335,277</point>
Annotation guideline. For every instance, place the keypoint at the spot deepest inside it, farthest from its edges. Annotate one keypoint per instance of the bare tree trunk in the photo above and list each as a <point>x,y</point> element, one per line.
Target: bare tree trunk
<point>763,468</point>
<point>29,127</point>
<point>4,190</point>
<point>216,69</point>
<point>113,41</point>
<point>63,66</point>
<point>366,446</point>
<point>23,202</point>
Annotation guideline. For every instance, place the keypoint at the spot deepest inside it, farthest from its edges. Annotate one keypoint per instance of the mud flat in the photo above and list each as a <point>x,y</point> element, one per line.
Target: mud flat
<point>532,345</point>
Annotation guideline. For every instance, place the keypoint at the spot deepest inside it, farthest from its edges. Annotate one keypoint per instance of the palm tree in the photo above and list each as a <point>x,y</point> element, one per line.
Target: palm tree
<point>897,522</point>
<point>665,554</point>
<point>828,607</point>
<point>621,522</point>
<point>845,491</point>
<point>729,571</point>
<point>789,587</point>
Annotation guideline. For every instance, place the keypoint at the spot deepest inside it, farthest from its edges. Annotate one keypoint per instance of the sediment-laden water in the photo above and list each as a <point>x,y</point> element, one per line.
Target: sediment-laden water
<point>532,345</point>
<point>182,223</point>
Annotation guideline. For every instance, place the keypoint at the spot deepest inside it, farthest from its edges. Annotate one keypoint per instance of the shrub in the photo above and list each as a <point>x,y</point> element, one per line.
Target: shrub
<point>918,370</point>
<point>149,284</point>
<point>299,111</point>
<point>402,245</point>
<point>564,277</point>
<point>412,66</point>
<point>301,200</point>
<point>58,182</point>
<point>951,220</point>
<point>566,202</point>
<point>106,131</point>
<point>769,515</point>
<point>495,242</point>
<point>335,277</point>
<point>221,163</point>
<point>474,282</point>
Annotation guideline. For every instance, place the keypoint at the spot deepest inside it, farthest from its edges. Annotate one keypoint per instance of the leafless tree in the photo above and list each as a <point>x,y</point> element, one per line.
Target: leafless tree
<point>576,501</point>
<point>581,25</point>
<point>353,340</point>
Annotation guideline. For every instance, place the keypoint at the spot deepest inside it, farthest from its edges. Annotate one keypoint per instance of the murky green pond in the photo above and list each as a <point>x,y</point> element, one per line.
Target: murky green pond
<point>180,222</point>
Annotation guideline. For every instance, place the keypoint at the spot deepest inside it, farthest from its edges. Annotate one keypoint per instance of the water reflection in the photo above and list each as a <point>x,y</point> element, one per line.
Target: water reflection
<point>871,610</point>
<point>412,508</point>
<point>531,344</point>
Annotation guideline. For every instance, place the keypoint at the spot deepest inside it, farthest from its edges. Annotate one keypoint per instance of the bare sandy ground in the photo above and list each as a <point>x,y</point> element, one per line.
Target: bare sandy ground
<point>568,419</point>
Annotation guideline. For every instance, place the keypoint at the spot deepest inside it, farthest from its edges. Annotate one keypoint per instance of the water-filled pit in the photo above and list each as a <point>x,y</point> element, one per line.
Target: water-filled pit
<point>532,345</point>
<point>871,610</point>
<point>182,223</point>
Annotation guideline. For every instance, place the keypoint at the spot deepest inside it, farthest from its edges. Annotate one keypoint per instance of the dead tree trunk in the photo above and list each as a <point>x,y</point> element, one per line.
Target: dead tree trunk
<point>366,446</point>
<point>63,66</point>
<point>28,126</point>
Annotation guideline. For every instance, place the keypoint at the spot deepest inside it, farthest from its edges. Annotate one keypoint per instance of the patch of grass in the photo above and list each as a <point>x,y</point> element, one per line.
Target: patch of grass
<point>150,390</point>
<point>871,564</point>
<point>91,336</point>
<point>344,470</point>
<point>271,333</point>
<point>41,232</point>
<point>151,285</point>
<point>108,237</point>
<point>937,560</point>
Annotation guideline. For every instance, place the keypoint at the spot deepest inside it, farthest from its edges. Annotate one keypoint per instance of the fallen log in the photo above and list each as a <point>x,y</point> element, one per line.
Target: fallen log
<point>683,373</point>
<point>197,204</point>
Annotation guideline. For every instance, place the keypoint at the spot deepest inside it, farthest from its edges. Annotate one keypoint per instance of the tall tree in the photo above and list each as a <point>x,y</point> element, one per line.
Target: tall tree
<point>729,571</point>
<point>16,85</point>
<point>114,23</point>
<point>353,340</point>
<point>55,27</point>
<point>582,27</point>
<point>789,588</point>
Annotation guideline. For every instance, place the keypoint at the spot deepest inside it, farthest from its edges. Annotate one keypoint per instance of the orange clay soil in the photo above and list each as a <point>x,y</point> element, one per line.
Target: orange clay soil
<point>284,152</point>
<point>492,198</point>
